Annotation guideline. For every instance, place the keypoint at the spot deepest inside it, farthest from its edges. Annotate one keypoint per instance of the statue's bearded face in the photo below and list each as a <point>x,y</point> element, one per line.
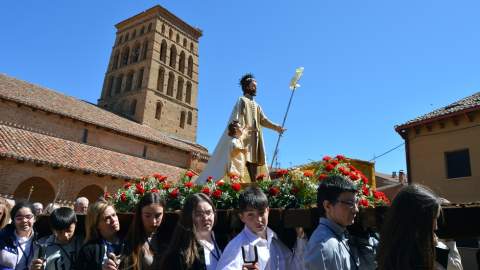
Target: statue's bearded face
<point>251,89</point>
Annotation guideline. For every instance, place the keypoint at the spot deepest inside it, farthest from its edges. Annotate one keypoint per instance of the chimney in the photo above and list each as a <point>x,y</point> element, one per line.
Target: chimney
<point>401,177</point>
<point>394,174</point>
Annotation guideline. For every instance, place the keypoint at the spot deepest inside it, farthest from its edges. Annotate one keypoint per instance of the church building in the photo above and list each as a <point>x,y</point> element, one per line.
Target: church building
<point>56,146</point>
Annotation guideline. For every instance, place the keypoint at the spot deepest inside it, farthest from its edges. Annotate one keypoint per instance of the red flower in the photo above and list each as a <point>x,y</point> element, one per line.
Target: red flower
<point>217,194</point>
<point>274,191</point>
<point>188,184</point>
<point>236,187</point>
<point>166,185</point>
<point>189,174</point>
<point>140,190</point>
<point>322,176</point>
<point>344,171</point>
<point>220,183</point>
<point>295,190</point>
<point>209,179</point>
<point>308,173</point>
<point>364,179</point>
<point>351,167</point>
<point>326,158</point>
<point>127,185</point>
<point>353,176</point>
<point>340,157</point>
<point>365,190</point>
<point>329,167</point>
<point>174,193</point>
<point>159,177</point>
<point>154,190</point>
<point>378,195</point>
<point>364,202</point>
<point>282,172</point>
<point>260,177</point>
<point>334,162</point>
<point>206,190</point>
<point>123,197</point>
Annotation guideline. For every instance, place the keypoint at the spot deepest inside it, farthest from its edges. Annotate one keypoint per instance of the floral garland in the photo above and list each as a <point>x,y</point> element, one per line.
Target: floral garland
<point>294,188</point>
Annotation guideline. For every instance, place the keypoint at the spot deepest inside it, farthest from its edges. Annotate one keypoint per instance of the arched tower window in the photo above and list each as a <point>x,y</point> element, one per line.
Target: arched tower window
<point>181,62</point>
<point>188,93</point>
<point>128,83</point>
<point>115,60</point>
<point>171,78</point>
<point>149,27</point>
<point>118,84</point>
<point>144,50</point>
<point>163,51</point>
<point>191,47</point>
<point>135,54</point>
<point>140,79</point>
<point>177,38</point>
<point>158,110</point>
<point>142,31</point>
<point>173,56</point>
<point>182,119</point>
<point>160,80</point>
<point>180,88</point>
<point>170,33</point>
<point>163,29</point>
<point>133,107</point>
<point>125,55</point>
<point>189,118</point>
<point>185,42</point>
<point>190,66</point>
<point>111,80</point>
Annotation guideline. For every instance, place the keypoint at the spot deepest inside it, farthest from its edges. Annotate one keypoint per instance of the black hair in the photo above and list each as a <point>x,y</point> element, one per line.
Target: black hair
<point>231,128</point>
<point>18,206</point>
<point>330,189</point>
<point>246,80</point>
<point>252,197</point>
<point>61,218</point>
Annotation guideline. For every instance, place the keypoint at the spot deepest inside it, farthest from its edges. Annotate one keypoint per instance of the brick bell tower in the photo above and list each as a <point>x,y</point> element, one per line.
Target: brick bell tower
<point>152,77</point>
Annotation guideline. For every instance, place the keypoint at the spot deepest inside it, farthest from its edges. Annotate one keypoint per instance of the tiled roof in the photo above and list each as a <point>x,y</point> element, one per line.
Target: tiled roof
<point>467,104</point>
<point>51,101</point>
<point>29,146</point>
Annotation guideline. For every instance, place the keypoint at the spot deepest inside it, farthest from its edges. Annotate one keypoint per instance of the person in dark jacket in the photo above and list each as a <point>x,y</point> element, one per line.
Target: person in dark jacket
<point>101,239</point>
<point>17,239</point>
<point>193,245</point>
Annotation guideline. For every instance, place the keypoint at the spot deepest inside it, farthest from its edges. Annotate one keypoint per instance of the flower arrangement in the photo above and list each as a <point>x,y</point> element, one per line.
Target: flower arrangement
<point>294,188</point>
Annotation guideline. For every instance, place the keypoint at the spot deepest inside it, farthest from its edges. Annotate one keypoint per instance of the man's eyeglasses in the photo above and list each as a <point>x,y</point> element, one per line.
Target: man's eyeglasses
<point>350,204</point>
<point>21,218</point>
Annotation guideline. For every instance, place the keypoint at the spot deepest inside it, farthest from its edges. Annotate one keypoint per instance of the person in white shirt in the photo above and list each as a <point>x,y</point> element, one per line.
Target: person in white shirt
<point>271,253</point>
<point>60,249</point>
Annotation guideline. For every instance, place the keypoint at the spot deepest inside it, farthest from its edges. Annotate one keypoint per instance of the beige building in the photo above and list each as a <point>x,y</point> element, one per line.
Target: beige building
<point>443,150</point>
<point>144,123</point>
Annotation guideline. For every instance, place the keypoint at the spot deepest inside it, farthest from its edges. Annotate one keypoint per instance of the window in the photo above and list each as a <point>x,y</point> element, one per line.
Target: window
<point>135,54</point>
<point>189,118</point>
<point>191,47</point>
<point>134,34</point>
<point>120,39</point>
<point>128,83</point>
<point>181,62</point>
<point>126,37</point>
<point>190,66</point>
<point>188,93</point>
<point>171,78</point>
<point>118,84</point>
<point>158,110</point>
<point>160,80</point>
<point>115,60</point>
<point>125,55</point>
<point>140,79</point>
<point>177,39</point>
<point>182,119</point>
<point>184,42</point>
<point>170,34</point>
<point>85,136</point>
<point>180,88</point>
<point>133,107</point>
<point>163,51</point>
<point>163,29</point>
<point>149,27</point>
<point>144,50</point>
<point>144,154</point>
<point>458,164</point>
<point>173,56</point>
<point>142,31</point>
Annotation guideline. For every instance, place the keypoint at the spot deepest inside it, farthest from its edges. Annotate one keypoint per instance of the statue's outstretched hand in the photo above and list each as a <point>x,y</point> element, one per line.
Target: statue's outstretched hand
<point>281,130</point>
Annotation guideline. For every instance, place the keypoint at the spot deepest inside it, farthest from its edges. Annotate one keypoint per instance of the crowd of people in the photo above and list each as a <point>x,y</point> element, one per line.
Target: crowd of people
<point>407,239</point>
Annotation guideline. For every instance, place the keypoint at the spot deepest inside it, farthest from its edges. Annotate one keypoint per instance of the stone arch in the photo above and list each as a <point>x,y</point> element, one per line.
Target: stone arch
<point>181,62</point>
<point>180,88</point>
<point>173,56</point>
<point>91,192</point>
<point>163,51</point>
<point>190,66</point>
<point>42,190</point>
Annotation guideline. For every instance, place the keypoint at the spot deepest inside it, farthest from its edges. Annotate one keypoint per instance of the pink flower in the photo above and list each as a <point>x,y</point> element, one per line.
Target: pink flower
<point>340,157</point>
<point>139,189</point>
<point>166,186</point>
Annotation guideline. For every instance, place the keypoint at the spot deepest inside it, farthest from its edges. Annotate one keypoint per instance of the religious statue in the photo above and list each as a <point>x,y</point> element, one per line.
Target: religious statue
<point>250,118</point>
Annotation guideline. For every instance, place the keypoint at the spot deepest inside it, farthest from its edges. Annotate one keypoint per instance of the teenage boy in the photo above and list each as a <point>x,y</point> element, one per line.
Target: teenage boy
<point>62,247</point>
<point>328,248</point>
<point>272,253</point>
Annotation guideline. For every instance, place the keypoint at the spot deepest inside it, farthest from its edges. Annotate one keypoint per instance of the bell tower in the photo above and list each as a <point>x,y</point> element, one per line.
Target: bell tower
<point>152,76</point>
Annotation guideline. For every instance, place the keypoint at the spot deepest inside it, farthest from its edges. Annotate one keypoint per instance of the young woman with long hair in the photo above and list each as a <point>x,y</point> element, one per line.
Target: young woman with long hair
<point>408,240</point>
<point>101,237</point>
<point>193,245</point>
<point>142,243</point>
<point>4,213</point>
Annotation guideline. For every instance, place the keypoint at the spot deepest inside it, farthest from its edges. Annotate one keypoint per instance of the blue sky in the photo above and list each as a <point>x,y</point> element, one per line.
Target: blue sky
<point>369,65</point>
